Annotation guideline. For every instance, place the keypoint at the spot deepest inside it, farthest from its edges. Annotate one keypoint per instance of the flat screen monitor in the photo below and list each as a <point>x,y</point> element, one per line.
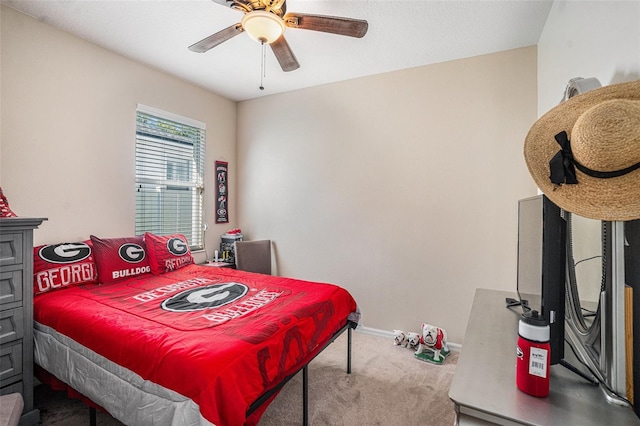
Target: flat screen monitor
<point>541,265</point>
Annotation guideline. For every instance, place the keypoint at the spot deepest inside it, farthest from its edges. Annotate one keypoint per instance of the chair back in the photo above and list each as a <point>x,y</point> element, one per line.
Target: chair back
<point>254,256</point>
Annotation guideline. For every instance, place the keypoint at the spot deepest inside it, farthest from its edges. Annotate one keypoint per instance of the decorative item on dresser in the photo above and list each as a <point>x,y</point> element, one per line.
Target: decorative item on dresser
<point>16,311</point>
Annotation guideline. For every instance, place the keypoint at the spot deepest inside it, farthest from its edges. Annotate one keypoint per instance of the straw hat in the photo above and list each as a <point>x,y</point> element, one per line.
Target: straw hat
<point>584,154</point>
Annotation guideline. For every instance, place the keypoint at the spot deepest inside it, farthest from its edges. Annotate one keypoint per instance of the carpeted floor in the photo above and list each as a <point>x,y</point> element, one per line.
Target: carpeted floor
<point>387,386</point>
<point>58,410</point>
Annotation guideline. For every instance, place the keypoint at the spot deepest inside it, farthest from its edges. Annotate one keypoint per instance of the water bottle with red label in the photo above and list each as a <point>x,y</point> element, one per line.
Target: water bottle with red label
<point>533,355</point>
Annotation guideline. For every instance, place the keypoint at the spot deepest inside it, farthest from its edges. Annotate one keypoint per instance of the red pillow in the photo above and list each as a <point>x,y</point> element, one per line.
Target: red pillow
<point>119,258</point>
<point>167,253</point>
<point>63,265</point>
<point>5,210</point>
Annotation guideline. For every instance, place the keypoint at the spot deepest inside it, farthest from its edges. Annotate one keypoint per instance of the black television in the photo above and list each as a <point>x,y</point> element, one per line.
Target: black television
<point>541,265</point>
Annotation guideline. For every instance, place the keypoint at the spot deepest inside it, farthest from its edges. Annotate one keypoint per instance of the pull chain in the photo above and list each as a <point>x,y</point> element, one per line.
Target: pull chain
<point>263,69</point>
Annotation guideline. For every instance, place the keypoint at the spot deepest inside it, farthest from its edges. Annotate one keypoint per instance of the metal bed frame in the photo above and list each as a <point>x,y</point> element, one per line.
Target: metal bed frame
<point>349,326</point>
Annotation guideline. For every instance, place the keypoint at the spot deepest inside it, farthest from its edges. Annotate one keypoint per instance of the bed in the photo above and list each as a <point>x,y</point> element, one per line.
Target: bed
<point>188,346</point>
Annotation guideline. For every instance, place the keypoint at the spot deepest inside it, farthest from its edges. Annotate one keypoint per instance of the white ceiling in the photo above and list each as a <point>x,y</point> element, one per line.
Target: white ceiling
<point>402,34</point>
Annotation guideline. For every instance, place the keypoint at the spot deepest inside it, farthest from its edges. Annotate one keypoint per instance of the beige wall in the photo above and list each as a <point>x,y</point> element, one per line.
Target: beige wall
<point>68,131</point>
<point>401,187</point>
<point>587,39</point>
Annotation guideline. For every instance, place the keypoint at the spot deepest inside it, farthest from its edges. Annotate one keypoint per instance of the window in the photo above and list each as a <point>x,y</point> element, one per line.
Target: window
<point>169,175</point>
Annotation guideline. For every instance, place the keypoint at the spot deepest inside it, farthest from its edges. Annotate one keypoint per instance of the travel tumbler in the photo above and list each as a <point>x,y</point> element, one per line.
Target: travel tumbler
<point>533,355</point>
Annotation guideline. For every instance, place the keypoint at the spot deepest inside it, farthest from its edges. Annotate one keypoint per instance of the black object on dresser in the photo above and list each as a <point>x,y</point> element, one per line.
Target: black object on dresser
<point>16,311</point>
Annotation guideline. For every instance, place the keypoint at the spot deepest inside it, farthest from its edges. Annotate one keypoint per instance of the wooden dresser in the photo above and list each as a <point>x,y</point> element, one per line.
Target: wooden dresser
<point>16,311</point>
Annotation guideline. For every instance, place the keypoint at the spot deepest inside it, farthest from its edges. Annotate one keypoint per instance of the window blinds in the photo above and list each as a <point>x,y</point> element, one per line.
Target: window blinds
<point>170,153</point>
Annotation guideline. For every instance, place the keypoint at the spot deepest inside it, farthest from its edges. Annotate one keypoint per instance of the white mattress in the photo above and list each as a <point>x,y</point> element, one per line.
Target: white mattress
<point>124,394</point>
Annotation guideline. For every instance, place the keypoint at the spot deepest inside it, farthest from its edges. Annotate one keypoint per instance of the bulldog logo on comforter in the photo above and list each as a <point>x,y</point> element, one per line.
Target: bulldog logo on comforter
<point>212,296</point>
<point>195,302</point>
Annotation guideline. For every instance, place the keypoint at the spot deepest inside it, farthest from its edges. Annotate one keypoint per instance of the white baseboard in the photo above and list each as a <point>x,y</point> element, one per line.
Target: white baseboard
<point>375,331</point>
<point>389,335</point>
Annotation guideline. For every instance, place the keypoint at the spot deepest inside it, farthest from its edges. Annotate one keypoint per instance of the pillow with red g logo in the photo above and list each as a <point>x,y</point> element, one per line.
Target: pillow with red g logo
<point>62,265</point>
<point>119,258</point>
<point>168,252</point>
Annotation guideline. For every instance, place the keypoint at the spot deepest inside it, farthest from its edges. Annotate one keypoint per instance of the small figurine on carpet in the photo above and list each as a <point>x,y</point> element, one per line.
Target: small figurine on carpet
<point>409,340</point>
<point>400,338</point>
<point>414,340</point>
<point>433,346</point>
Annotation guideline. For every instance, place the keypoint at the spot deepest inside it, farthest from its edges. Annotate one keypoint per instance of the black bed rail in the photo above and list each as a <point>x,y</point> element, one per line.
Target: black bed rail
<point>349,326</point>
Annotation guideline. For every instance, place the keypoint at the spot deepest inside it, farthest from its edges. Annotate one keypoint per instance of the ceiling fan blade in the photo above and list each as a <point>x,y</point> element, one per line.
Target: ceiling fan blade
<point>327,24</point>
<point>223,2</point>
<point>284,54</point>
<point>216,39</point>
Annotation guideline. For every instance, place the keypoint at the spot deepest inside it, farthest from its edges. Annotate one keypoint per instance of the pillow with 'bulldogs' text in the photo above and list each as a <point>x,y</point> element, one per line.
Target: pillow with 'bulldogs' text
<point>168,252</point>
<point>63,265</point>
<point>119,258</point>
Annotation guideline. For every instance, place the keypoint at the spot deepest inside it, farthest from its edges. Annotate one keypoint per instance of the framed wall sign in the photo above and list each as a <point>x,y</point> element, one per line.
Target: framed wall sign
<point>222,192</point>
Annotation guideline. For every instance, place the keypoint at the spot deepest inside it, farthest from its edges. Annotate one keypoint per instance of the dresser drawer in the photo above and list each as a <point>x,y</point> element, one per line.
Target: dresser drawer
<point>11,325</point>
<point>12,388</point>
<point>10,363</point>
<point>11,286</point>
<point>11,249</point>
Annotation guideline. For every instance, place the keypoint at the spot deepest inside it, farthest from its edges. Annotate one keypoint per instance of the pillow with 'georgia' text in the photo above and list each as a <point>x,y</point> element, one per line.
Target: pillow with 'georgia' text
<point>57,266</point>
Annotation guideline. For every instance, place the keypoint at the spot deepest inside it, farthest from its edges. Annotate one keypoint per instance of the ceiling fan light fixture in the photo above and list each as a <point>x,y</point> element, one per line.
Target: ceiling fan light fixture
<point>263,26</point>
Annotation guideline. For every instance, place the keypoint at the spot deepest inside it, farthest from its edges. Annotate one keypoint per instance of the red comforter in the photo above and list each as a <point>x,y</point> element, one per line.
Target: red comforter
<point>220,337</point>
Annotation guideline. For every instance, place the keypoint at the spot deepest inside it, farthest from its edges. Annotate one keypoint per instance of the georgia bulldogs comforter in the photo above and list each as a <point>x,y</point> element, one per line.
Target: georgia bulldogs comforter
<point>213,339</point>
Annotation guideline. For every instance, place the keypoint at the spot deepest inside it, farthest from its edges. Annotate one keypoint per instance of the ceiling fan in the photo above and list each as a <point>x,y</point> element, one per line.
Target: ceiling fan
<point>265,22</point>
